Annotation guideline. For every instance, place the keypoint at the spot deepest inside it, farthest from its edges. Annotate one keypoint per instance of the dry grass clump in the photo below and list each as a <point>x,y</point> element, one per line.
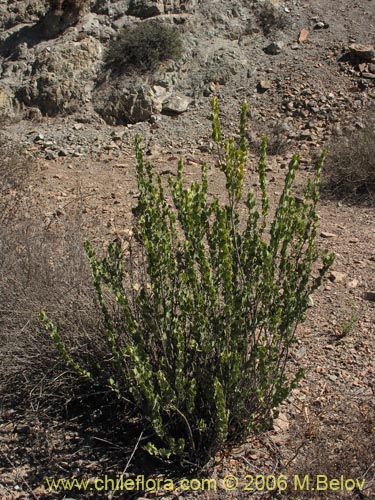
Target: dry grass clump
<point>277,137</point>
<point>41,267</point>
<point>336,442</point>
<point>15,166</point>
<point>350,167</point>
<point>144,46</point>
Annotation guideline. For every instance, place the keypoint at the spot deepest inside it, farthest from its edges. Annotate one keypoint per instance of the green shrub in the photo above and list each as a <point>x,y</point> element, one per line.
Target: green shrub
<point>209,314</point>
<point>145,46</point>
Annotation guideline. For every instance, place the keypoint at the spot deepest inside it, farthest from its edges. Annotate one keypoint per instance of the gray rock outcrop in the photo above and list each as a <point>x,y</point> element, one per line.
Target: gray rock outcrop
<point>53,58</point>
<point>151,8</point>
<point>62,78</point>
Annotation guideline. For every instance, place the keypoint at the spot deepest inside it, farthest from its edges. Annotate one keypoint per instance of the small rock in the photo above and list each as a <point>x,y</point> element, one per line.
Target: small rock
<point>337,276</point>
<point>58,212</point>
<point>153,120</point>
<point>117,136</point>
<point>352,284</point>
<point>161,93</point>
<point>369,296</point>
<point>51,155</point>
<point>300,352</point>
<point>280,439</point>
<point>39,491</point>
<point>306,135</point>
<point>274,48</point>
<point>362,67</point>
<point>281,423</point>
<point>303,35</point>
<point>326,235</point>
<point>321,25</point>
<point>364,52</point>
<point>264,85</point>
<point>176,105</point>
<point>146,8</point>
<point>35,114</point>
<point>39,137</point>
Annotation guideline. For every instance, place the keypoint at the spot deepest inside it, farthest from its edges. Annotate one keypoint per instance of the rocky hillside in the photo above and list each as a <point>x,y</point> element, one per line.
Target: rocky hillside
<point>82,77</point>
<point>55,58</point>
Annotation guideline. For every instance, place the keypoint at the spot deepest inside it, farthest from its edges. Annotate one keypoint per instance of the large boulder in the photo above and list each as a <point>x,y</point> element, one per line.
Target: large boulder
<point>62,78</point>
<point>63,14</point>
<point>146,8</point>
<point>275,3</point>
<point>362,52</point>
<point>6,105</point>
<point>175,105</point>
<point>99,27</point>
<point>151,8</point>
<point>26,11</point>
<point>130,104</point>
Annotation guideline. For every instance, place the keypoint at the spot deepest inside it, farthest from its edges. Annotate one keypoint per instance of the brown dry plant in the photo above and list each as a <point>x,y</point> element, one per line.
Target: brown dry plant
<point>349,171</point>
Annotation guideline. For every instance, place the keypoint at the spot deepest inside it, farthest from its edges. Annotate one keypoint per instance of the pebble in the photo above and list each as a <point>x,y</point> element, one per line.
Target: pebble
<point>369,296</point>
<point>264,85</point>
<point>337,276</point>
<point>274,48</point>
<point>303,35</point>
<point>321,25</point>
<point>352,284</point>
<point>327,235</point>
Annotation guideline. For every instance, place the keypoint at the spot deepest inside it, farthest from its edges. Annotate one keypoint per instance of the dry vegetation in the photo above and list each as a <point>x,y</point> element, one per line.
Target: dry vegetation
<point>340,446</point>
<point>40,268</point>
<point>145,46</point>
<point>350,166</point>
<point>14,169</point>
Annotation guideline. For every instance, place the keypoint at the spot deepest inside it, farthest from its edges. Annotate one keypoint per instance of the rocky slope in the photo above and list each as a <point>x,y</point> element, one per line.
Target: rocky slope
<point>293,61</point>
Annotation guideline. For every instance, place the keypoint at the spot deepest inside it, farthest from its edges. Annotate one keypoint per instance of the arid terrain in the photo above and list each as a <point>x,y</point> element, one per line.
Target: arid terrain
<point>68,173</point>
